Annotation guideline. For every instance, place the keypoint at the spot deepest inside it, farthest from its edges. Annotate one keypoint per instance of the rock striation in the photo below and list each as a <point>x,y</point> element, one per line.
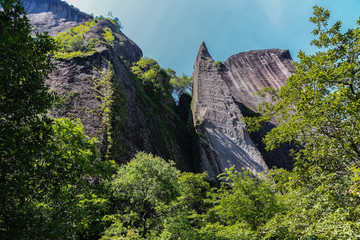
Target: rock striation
<point>221,97</point>
<point>248,72</point>
<point>53,16</point>
<point>99,89</point>
<point>224,141</point>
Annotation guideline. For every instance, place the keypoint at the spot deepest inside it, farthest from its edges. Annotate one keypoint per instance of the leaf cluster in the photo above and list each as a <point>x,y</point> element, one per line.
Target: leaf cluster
<point>159,82</point>
<point>318,108</point>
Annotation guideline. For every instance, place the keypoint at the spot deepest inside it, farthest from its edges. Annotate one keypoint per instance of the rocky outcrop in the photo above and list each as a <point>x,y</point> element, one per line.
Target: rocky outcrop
<point>53,16</point>
<point>222,96</point>
<point>224,141</point>
<point>99,89</point>
<point>248,72</point>
<point>91,87</point>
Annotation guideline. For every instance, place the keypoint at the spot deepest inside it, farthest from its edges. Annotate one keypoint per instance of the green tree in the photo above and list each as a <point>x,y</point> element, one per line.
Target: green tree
<point>250,199</point>
<point>24,99</point>
<point>65,196</point>
<point>73,44</point>
<point>181,85</point>
<point>155,80</point>
<point>50,173</point>
<point>322,208</point>
<point>142,186</point>
<point>184,214</point>
<point>318,108</point>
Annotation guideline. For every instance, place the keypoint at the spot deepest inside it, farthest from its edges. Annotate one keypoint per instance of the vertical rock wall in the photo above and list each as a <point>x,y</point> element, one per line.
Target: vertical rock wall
<point>248,72</point>
<point>53,16</point>
<point>100,90</point>
<point>221,97</point>
<point>224,141</point>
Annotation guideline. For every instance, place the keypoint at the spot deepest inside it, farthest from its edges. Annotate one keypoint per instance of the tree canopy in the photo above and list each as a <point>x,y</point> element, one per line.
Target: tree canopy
<point>54,185</point>
<point>318,108</point>
<point>160,82</point>
<point>47,165</point>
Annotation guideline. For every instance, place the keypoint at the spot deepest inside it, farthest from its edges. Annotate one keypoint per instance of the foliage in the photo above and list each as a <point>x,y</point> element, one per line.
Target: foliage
<point>114,20</point>
<point>23,93</point>
<point>55,185</point>
<point>155,80</point>
<point>159,82</point>
<point>71,162</point>
<point>318,108</point>
<point>55,198</point>
<point>51,177</point>
<point>219,65</point>
<point>182,215</point>
<point>322,208</point>
<point>72,43</point>
<point>24,99</point>
<point>143,185</point>
<point>181,85</point>
<point>112,110</point>
<point>108,36</point>
<point>249,200</point>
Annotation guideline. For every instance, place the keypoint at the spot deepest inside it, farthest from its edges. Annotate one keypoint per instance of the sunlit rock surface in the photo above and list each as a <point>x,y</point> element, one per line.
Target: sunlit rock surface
<point>53,16</point>
<point>224,139</point>
<point>222,96</point>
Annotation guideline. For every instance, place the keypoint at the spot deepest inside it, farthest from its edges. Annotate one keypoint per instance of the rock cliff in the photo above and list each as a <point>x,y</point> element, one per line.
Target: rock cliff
<point>224,139</point>
<point>222,96</point>
<point>99,89</point>
<point>53,16</point>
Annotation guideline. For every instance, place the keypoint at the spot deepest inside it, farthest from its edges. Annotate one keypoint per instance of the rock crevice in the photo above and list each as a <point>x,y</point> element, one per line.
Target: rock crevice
<point>224,140</point>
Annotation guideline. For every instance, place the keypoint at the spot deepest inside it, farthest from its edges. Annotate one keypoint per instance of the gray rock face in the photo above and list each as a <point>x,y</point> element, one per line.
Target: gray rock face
<point>221,97</point>
<point>248,72</point>
<point>100,90</point>
<point>224,140</point>
<point>53,16</point>
<point>85,82</point>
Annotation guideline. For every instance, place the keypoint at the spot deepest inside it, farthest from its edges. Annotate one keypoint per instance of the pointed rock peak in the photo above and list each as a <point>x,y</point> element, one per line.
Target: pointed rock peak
<point>203,51</point>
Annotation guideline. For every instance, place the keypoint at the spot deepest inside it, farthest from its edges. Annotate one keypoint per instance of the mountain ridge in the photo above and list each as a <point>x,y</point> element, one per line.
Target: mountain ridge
<point>103,80</point>
<point>223,95</point>
<point>53,16</point>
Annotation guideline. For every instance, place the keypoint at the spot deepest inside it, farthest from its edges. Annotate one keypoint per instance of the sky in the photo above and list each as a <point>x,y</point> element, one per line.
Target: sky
<point>171,31</point>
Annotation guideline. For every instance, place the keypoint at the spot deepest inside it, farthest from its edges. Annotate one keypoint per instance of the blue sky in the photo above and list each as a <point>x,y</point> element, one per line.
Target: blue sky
<point>171,31</point>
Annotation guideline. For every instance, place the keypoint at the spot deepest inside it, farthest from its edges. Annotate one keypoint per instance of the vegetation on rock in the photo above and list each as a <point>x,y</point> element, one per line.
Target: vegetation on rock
<point>159,82</point>
<point>74,44</point>
<point>55,185</point>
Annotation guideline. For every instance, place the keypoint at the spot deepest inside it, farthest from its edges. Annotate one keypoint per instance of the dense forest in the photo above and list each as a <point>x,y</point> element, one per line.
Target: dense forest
<point>54,183</point>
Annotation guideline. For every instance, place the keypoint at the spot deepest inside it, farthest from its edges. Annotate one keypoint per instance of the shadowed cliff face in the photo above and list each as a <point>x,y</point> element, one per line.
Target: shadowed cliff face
<point>248,72</point>
<point>224,141</point>
<point>221,97</point>
<point>100,90</point>
<point>53,16</point>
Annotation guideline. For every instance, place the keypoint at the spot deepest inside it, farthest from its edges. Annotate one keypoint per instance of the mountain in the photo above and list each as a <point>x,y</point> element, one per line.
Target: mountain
<point>53,16</point>
<point>223,95</point>
<point>97,86</point>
